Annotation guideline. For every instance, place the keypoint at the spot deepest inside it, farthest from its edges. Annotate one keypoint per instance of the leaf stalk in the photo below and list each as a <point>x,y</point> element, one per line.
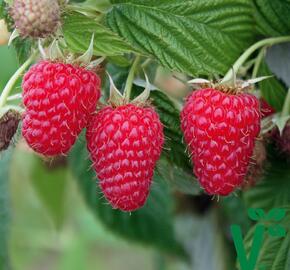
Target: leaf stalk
<point>244,57</point>
<point>130,79</point>
<point>11,83</point>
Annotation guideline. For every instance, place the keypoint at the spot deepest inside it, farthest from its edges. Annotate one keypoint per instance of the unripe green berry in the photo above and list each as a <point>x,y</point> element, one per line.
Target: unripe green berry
<point>36,18</point>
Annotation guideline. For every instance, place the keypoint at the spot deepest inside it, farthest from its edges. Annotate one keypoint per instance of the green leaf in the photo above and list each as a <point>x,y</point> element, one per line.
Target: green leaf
<point>234,211</point>
<point>78,30</point>
<point>2,12</point>
<point>275,251</point>
<point>152,225</point>
<point>178,178</point>
<point>272,17</point>
<point>94,5</point>
<point>23,48</point>
<point>281,122</point>
<point>5,159</point>
<point>274,189</point>
<point>196,37</point>
<point>50,184</point>
<point>178,172</point>
<point>174,149</point>
<point>119,60</point>
<point>272,90</point>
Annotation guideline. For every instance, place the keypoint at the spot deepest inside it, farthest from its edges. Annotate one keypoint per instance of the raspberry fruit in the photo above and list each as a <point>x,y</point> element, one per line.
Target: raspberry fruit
<point>125,143</point>
<point>59,99</point>
<point>35,18</point>
<point>220,129</point>
<point>8,126</point>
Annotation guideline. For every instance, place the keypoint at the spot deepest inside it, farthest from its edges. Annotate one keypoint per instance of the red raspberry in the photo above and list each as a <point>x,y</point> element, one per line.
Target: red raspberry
<point>124,143</point>
<point>59,99</point>
<point>220,130</point>
<point>266,109</point>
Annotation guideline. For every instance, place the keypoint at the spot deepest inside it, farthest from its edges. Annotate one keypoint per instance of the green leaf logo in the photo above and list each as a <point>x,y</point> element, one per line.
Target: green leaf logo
<point>277,231</point>
<point>256,214</point>
<point>276,214</point>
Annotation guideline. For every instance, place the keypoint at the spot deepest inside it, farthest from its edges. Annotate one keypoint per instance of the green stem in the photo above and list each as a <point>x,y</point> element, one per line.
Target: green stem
<point>11,83</point>
<point>258,62</point>
<point>130,79</point>
<point>286,106</point>
<point>252,49</point>
<point>146,63</point>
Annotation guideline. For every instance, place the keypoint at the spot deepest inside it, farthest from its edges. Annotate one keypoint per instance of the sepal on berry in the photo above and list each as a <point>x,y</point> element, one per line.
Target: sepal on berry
<point>14,35</point>
<point>55,52</point>
<point>232,85</point>
<point>116,98</point>
<point>86,58</point>
<point>249,83</point>
<point>280,122</point>
<point>232,81</point>
<point>143,97</point>
<point>198,82</point>
<point>281,119</point>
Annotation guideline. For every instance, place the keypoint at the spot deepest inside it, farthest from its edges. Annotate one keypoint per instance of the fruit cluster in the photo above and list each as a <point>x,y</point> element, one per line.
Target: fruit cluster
<point>220,124</point>
<point>125,141</point>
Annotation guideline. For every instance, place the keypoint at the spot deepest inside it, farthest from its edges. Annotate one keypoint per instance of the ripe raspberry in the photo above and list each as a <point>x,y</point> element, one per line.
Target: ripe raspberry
<point>8,127</point>
<point>266,109</point>
<point>59,99</point>
<point>124,143</point>
<point>35,18</point>
<point>220,130</point>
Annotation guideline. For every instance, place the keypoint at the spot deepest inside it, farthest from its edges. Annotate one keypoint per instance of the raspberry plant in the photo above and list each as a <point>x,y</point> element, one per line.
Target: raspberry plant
<point>93,101</point>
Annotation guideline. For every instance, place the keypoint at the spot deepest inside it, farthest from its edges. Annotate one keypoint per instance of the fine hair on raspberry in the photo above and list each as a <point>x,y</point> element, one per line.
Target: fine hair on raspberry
<point>124,144</point>
<point>59,99</point>
<point>220,130</point>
